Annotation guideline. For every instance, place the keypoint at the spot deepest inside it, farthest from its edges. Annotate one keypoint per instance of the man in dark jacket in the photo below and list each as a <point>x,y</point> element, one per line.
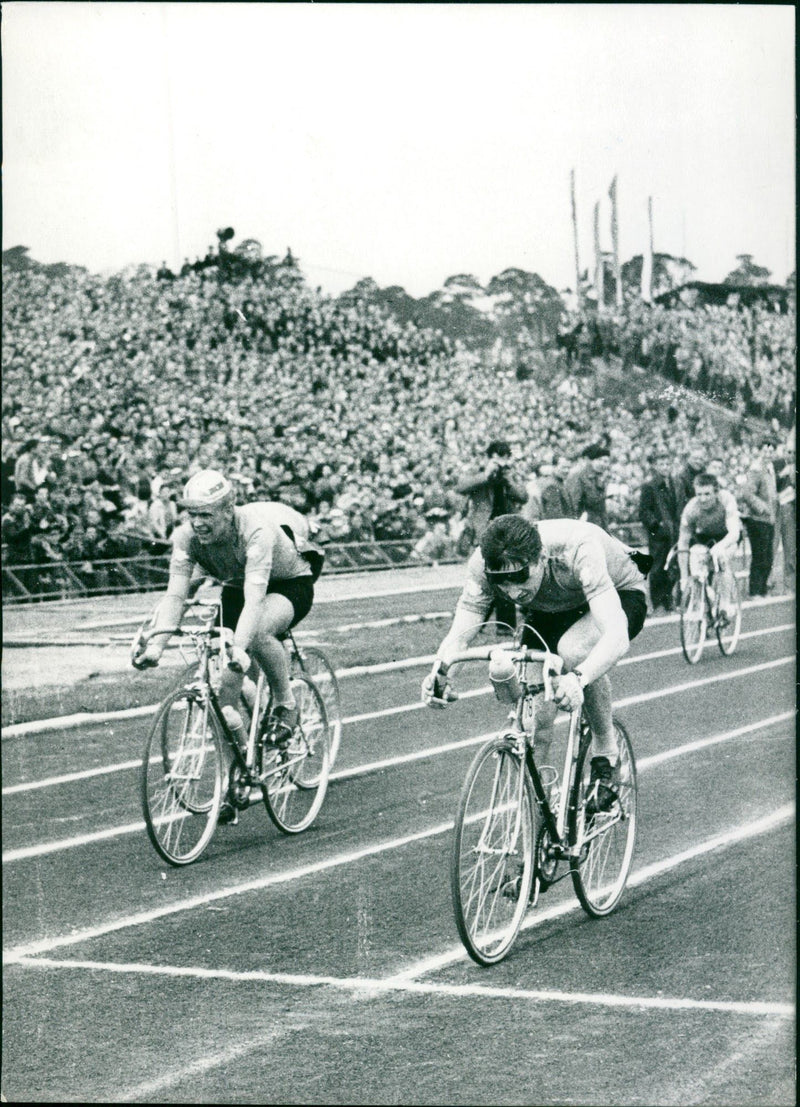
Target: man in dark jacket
<point>684,481</point>
<point>554,494</point>
<point>658,512</point>
<point>586,485</point>
<point>490,493</point>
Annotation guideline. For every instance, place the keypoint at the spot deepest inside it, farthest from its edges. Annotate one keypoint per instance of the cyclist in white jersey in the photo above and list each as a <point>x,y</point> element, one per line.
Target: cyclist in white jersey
<point>267,567</point>
<point>585,594</point>
<point>710,521</point>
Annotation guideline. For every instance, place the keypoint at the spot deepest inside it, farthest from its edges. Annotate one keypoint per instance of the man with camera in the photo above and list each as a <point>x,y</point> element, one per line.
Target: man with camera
<point>490,493</point>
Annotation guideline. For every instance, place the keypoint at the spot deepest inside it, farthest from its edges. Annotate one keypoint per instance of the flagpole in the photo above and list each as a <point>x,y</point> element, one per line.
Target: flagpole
<point>599,268</point>
<point>612,192</point>
<point>647,260</point>
<point>579,299</point>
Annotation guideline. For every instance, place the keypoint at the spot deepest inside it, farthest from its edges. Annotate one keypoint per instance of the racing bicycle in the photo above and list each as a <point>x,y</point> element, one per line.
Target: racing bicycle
<point>702,607</point>
<point>520,828</point>
<point>184,780</point>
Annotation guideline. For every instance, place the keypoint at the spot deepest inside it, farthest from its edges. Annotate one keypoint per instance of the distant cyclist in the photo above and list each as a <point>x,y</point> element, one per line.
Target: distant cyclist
<point>585,594</point>
<point>267,567</point>
<point>710,521</point>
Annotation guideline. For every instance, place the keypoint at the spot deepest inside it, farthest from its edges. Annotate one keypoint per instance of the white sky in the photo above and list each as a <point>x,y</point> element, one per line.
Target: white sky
<point>403,142</point>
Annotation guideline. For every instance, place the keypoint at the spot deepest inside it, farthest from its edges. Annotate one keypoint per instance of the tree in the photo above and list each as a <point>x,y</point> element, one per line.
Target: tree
<point>748,273</point>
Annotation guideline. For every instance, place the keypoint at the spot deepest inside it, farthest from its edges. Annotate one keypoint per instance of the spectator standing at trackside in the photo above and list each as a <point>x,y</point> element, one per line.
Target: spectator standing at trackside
<point>685,478</point>
<point>586,485</point>
<point>785,483</point>
<point>33,468</point>
<point>758,498</point>
<point>16,528</point>
<point>658,513</point>
<point>556,502</point>
<point>490,493</point>
<point>162,514</point>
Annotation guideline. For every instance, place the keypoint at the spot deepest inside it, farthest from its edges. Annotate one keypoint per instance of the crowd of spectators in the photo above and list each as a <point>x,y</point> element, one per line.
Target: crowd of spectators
<point>117,388</point>
<point>742,356</point>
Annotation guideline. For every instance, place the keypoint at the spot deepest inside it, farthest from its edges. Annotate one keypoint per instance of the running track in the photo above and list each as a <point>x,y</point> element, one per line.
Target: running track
<point>326,968</point>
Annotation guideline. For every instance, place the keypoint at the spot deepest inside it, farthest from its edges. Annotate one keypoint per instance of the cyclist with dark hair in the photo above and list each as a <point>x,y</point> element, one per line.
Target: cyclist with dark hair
<point>581,589</point>
<point>261,554</point>
<point>710,520</point>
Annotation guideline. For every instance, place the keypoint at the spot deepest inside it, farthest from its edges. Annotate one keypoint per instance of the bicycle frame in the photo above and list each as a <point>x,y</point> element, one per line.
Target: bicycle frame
<point>524,736</point>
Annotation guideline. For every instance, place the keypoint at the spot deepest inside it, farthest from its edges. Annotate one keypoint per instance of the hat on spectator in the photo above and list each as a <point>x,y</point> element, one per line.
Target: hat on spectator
<point>594,451</point>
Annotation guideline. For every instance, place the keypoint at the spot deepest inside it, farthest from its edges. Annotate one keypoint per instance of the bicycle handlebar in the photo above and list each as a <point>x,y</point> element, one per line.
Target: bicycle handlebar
<point>520,653</point>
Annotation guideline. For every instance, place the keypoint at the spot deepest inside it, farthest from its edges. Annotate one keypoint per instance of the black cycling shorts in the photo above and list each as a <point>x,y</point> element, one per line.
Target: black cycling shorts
<point>553,624</point>
<point>299,591</point>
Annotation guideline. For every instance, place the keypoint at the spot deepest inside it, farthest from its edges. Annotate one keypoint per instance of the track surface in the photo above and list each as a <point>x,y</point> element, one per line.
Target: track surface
<point>326,968</point>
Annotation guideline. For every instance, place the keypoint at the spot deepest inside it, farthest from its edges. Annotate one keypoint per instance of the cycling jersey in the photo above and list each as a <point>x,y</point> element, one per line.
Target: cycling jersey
<point>259,551</point>
<point>580,562</point>
<point>708,525</point>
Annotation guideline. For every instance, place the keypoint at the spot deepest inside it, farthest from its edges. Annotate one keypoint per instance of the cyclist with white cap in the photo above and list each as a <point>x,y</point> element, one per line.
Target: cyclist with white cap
<point>267,567</point>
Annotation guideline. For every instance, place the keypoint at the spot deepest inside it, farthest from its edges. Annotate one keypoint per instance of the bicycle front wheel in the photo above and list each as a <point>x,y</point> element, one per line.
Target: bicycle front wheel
<point>296,778</point>
<point>491,866</point>
<point>693,621</point>
<point>729,629</point>
<point>181,777</point>
<point>604,840</point>
<point>315,664</point>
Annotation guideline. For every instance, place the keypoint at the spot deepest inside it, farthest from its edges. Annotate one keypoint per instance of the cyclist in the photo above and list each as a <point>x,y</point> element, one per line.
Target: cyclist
<point>710,521</point>
<point>583,591</point>
<point>267,567</point>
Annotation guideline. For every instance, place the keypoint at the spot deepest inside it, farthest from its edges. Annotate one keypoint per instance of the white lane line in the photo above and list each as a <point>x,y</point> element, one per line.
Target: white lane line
<point>89,718</point>
<point>414,987</point>
<point>26,852</point>
<point>383,713</point>
<point>46,944</point>
<point>640,876</point>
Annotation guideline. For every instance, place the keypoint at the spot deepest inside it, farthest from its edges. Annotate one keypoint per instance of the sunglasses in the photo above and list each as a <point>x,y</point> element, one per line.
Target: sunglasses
<point>515,576</point>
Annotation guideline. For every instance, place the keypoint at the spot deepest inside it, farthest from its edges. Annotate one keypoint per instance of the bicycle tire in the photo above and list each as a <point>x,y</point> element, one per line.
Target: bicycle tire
<point>693,621</point>
<point>728,635</point>
<point>181,777</point>
<point>295,788</point>
<point>492,859</point>
<point>313,662</point>
<point>607,839</point>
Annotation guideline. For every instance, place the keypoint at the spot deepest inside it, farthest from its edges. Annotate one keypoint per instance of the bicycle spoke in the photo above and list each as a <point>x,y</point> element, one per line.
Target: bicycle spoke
<point>604,839</point>
<point>181,778</point>
<point>492,859</point>
<point>296,779</point>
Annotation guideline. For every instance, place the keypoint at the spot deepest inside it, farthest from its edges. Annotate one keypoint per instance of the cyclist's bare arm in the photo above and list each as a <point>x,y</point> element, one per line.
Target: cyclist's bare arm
<point>467,621</point>
<point>252,612</point>
<point>436,688</point>
<point>169,614</point>
<point>733,526</point>
<point>685,535</point>
<point>613,643</point>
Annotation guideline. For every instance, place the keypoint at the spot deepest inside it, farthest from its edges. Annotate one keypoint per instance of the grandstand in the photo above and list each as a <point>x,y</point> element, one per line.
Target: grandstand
<point>117,387</point>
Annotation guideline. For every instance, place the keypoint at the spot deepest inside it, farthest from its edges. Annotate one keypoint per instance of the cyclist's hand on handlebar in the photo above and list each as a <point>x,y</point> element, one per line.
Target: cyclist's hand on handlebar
<point>568,693</point>
<point>149,657</point>
<point>239,660</point>
<point>436,690</point>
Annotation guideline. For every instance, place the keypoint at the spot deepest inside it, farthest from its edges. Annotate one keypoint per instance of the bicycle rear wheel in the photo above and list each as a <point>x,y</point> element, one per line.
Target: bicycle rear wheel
<point>315,664</point>
<point>728,630</point>
<point>181,777</point>
<point>693,621</point>
<point>297,779</point>
<point>491,867</point>
<point>606,838</point>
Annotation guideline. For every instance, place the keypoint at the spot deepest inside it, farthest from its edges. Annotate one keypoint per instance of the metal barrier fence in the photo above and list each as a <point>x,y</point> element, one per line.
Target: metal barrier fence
<point>55,580</point>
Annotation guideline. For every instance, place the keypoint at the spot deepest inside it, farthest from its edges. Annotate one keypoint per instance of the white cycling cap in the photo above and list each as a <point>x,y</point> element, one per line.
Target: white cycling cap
<point>208,488</point>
